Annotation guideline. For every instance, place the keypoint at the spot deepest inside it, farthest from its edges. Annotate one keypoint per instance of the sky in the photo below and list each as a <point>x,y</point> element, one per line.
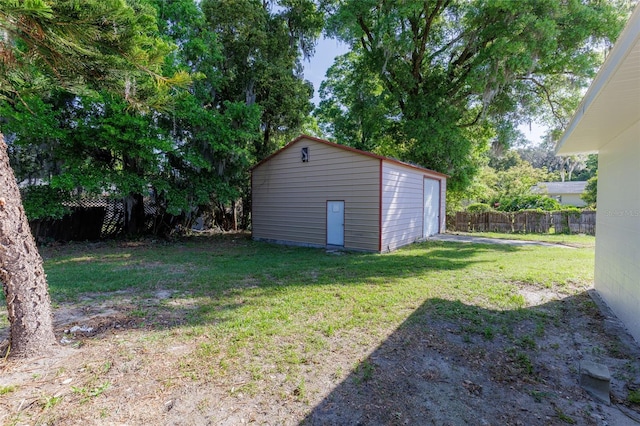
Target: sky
<point>328,49</point>
<point>315,70</point>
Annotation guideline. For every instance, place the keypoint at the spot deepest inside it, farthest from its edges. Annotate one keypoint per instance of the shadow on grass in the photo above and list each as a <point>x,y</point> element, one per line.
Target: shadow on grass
<point>455,364</point>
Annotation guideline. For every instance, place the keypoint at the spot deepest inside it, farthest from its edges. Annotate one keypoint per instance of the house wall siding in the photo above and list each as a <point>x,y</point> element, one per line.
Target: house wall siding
<point>402,205</point>
<point>571,200</point>
<point>289,197</point>
<point>617,276</point>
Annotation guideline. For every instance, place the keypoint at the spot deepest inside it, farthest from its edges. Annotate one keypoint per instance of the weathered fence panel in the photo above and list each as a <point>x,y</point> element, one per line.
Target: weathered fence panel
<point>574,223</point>
<point>537,222</point>
<point>525,222</point>
<point>479,222</point>
<point>499,222</point>
<point>560,223</point>
<point>89,220</point>
<point>460,223</point>
<point>83,223</point>
<point>584,224</point>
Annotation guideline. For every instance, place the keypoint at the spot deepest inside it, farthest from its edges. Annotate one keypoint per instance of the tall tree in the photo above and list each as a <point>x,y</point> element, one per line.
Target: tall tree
<point>355,108</point>
<point>263,43</point>
<point>211,136</point>
<point>36,117</point>
<point>110,148</point>
<point>455,65</point>
<point>193,155</point>
<point>58,43</point>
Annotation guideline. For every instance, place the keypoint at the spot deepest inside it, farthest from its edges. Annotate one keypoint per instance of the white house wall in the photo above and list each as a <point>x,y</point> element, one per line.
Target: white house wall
<point>572,200</point>
<point>617,276</point>
<point>402,213</point>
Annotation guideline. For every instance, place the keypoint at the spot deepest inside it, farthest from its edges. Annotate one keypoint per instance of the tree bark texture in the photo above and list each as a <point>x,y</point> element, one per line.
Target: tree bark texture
<point>21,272</point>
<point>134,214</point>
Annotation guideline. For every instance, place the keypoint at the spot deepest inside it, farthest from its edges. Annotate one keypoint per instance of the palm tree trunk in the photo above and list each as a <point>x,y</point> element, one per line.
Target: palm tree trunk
<point>21,273</point>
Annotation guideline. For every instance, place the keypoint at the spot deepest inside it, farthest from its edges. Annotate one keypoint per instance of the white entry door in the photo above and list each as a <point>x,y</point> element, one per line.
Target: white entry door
<point>431,222</point>
<point>335,223</point>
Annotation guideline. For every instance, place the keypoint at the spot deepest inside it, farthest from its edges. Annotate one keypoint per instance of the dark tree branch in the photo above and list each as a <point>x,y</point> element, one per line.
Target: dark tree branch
<point>550,101</point>
<point>367,31</point>
<point>476,119</point>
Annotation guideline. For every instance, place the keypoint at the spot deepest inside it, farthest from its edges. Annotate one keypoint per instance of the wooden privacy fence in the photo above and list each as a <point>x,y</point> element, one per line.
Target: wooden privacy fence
<point>95,219</point>
<point>560,222</point>
<point>88,220</point>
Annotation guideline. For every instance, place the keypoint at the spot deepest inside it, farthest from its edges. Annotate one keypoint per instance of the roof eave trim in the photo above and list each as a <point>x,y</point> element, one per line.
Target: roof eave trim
<point>348,148</point>
<point>623,46</point>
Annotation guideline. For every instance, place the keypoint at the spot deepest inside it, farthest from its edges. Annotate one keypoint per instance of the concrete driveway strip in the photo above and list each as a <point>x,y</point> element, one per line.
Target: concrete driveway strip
<point>484,240</point>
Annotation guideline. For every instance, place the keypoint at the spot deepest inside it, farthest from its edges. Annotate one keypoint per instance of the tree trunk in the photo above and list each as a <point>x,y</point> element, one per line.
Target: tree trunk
<point>134,214</point>
<point>234,213</point>
<point>21,273</point>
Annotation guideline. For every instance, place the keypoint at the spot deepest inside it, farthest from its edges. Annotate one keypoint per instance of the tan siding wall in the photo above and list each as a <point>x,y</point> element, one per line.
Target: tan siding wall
<point>289,196</point>
<point>401,206</point>
<point>570,199</point>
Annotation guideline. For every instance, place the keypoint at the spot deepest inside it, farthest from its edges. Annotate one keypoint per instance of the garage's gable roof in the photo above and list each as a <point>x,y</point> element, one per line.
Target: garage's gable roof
<point>612,103</point>
<point>348,148</point>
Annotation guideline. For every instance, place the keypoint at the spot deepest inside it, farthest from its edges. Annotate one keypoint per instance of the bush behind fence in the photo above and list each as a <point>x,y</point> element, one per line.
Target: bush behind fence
<point>561,222</point>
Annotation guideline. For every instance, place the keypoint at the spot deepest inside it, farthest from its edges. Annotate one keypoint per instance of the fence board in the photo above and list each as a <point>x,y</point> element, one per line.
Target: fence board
<point>90,219</point>
<point>462,222</point>
<point>500,222</point>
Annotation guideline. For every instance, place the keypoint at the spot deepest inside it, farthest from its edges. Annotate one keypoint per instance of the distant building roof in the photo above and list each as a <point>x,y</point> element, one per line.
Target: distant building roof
<point>571,187</point>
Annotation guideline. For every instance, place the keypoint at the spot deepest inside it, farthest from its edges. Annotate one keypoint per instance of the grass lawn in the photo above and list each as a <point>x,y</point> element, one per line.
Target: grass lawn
<point>271,322</point>
<point>248,292</point>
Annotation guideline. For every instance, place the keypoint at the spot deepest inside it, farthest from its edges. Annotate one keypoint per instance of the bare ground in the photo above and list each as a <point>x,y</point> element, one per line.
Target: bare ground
<point>116,368</point>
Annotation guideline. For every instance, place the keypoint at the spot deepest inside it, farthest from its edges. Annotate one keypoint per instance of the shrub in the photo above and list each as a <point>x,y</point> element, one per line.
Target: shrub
<point>590,194</point>
<point>43,202</point>
<point>527,202</point>
<point>571,209</point>
<point>479,208</point>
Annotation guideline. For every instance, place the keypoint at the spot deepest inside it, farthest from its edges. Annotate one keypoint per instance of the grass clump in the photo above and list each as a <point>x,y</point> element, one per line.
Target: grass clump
<point>7,389</point>
<point>634,397</point>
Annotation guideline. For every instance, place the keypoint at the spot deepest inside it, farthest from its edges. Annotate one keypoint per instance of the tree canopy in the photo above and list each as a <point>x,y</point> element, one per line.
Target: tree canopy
<point>436,83</point>
<point>263,44</point>
<point>107,44</point>
<point>193,148</point>
<point>462,73</point>
<point>44,45</point>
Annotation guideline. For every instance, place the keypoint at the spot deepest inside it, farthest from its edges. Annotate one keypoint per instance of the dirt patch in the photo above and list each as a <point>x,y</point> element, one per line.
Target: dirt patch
<point>126,360</point>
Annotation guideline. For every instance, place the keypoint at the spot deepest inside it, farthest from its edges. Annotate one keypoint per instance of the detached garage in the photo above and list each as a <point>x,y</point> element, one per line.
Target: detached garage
<point>316,193</point>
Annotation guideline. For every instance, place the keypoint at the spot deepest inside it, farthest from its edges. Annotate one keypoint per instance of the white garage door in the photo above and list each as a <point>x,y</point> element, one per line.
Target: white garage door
<point>431,223</point>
